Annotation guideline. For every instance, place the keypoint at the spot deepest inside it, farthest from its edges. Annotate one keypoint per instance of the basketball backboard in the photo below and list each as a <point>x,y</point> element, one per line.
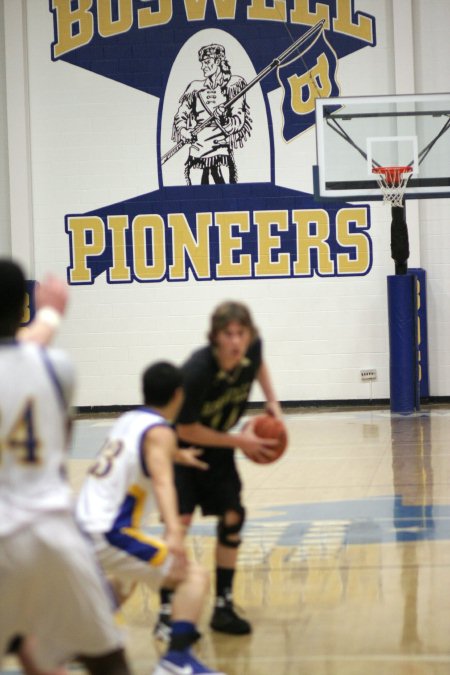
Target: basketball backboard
<point>359,133</point>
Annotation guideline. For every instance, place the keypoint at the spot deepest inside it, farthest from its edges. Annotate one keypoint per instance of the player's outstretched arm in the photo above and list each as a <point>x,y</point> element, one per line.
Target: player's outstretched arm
<point>159,449</point>
<point>265,382</point>
<point>52,296</point>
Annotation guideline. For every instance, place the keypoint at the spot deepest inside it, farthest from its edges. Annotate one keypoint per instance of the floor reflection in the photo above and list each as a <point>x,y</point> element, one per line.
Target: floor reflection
<point>413,476</point>
<point>345,562</point>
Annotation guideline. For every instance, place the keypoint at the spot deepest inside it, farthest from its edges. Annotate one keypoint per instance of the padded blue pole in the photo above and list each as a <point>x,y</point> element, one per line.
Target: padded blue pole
<point>403,371</point>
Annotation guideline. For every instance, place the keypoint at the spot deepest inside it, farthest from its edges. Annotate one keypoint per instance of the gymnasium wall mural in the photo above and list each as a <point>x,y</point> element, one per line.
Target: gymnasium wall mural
<point>220,210</point>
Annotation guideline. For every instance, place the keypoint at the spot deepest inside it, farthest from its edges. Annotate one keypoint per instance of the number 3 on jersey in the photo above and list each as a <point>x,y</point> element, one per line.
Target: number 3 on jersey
<point>22,439</point>
<point>106,457</point>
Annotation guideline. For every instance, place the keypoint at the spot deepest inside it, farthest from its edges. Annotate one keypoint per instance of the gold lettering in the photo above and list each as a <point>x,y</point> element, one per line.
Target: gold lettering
<point>301,13</point>
<point>196,9</point>
<point>106,25</point>
<point>359,262</point>
<point>148,17</point>
<point>307,242</point>
<point>79,228</point>
<point>75,21</point>
<point>143,225</point>
<point>305,88</point>
<point>268,242</point>
<point>184,244</point>
<point>362,28</point>
<point>233,395</point>
<point>145,256</point>
<point>258,9</point>
<point>26,315</point>
<point>74,28</point>
<point>228,245</point>
<point>119,271</point>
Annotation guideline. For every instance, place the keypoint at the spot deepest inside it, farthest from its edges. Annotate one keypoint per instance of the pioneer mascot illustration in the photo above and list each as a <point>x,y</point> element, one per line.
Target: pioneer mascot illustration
<point>227,125</point>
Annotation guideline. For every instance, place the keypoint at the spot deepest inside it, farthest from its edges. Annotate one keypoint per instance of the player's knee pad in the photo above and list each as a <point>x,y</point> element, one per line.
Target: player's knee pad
<point>226,532</point>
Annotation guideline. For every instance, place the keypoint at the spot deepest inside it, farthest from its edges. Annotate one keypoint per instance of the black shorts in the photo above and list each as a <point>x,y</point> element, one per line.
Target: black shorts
<point>215,491</point>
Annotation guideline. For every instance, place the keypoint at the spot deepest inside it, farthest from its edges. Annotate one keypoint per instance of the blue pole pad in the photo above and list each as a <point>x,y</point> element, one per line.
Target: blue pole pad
<point>403,372</point>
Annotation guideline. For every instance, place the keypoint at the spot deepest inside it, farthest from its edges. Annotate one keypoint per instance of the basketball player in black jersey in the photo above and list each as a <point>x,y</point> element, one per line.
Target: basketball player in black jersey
<point>218,381</point>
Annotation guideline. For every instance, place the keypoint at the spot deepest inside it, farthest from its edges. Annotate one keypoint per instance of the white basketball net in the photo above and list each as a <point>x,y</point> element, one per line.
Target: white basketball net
<point>392,181</point>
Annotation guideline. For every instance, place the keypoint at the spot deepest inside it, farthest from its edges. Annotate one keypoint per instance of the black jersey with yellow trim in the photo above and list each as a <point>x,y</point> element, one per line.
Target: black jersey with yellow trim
<point>214,397</point>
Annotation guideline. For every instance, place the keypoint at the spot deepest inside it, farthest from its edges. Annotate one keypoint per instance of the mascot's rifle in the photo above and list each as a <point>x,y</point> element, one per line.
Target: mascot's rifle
<point>317,28</point>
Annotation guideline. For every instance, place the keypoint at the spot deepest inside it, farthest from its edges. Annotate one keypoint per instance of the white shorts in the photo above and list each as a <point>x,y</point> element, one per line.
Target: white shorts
<point>122,564</point>
<point>51,587</point>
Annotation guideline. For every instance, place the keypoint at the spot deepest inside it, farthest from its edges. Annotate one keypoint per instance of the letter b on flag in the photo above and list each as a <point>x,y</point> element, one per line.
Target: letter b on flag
<point>311,75</point>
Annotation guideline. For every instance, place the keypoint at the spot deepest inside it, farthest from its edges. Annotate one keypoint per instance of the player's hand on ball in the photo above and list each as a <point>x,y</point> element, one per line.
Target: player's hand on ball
<point>271,433</point>
<point>260,450</point>
<point>264,455</point>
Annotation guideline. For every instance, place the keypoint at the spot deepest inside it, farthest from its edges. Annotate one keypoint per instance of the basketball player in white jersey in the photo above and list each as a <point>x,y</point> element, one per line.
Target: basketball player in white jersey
<point>50,586</point>
<point>134,467</point>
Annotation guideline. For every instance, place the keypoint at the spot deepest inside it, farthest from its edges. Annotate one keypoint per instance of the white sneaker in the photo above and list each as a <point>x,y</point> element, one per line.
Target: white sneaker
<point>182,663</point>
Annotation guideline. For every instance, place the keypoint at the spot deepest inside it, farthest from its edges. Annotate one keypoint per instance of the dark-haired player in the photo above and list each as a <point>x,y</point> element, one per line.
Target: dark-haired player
<point>52,597</point>
<point>134,466</point>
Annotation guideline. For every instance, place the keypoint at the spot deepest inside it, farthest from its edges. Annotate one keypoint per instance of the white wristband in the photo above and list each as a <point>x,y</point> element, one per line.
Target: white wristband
<point>50,316</point>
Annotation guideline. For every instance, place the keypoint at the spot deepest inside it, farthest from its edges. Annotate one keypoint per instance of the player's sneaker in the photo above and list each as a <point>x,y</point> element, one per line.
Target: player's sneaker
<point>226,620</point>
<point>163,627</point>
<point>182,663</point>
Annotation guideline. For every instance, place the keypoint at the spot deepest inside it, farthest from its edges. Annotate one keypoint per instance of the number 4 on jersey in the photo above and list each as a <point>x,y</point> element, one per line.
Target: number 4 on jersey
<point>22,439</point>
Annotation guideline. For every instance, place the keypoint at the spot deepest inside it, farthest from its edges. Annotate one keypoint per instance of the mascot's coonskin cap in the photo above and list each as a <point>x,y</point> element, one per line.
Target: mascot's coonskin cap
<point>216,51</point>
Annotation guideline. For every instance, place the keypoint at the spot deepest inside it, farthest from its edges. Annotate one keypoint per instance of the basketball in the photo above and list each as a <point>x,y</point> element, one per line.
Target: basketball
<point>267,426</point>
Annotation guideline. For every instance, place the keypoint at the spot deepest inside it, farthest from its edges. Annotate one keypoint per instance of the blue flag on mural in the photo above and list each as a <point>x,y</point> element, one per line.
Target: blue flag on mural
<point>310,75</point>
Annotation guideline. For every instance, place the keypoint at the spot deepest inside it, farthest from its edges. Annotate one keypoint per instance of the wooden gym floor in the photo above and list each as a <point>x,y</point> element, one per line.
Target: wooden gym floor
<point>345,566</point>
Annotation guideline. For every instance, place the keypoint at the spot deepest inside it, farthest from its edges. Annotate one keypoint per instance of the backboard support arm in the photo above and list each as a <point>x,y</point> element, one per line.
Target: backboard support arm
<point>423,153</point>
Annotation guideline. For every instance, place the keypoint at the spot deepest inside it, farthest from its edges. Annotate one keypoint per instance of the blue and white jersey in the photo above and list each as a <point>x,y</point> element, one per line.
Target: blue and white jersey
<point>36,386</point>
<point>117,493</point>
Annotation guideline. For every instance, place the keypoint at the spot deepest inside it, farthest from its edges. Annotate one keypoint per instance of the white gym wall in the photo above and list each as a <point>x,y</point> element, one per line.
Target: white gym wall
<point>76,141</point>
